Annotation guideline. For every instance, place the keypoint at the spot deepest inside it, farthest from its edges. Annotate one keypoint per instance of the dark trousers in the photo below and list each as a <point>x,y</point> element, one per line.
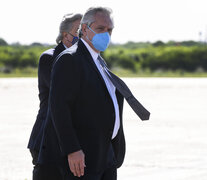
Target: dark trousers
<point>45,171</point>
<point>110,173</point>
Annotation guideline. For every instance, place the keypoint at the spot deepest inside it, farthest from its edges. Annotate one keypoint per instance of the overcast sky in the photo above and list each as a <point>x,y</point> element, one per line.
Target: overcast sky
<point>28,21</point>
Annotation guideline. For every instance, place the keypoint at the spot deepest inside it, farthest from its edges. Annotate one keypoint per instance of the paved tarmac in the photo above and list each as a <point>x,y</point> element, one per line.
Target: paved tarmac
<point>172,145</point>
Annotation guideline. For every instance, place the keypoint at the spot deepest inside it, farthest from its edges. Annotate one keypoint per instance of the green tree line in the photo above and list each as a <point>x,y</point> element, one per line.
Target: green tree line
<point>154,58</point>
<point>187,56</point>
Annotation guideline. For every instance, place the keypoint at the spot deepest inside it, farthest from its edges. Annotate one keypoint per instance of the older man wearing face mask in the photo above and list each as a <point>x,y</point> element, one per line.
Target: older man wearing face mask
<point>84,130</point>
<point>68,35</point>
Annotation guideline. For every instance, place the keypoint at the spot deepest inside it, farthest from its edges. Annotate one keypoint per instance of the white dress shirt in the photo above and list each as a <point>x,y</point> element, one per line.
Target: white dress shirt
<point>111,88</point>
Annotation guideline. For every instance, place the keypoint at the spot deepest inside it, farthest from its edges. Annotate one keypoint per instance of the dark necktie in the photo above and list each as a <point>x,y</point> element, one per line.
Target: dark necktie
<point>125,91</point>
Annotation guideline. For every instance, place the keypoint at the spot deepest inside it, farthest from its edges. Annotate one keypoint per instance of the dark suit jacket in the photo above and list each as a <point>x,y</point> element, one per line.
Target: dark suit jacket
<point>82,113</point>
<point>44,73</point>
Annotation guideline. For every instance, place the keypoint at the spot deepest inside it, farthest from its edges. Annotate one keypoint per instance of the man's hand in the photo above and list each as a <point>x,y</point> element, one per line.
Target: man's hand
<point>76,162</point>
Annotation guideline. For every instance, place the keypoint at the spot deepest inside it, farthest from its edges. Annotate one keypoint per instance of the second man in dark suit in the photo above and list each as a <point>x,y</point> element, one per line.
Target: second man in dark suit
<point>68,35</point>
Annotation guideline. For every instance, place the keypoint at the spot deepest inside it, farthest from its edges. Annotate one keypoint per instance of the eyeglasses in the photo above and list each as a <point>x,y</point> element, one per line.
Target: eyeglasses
<point>71,34</point>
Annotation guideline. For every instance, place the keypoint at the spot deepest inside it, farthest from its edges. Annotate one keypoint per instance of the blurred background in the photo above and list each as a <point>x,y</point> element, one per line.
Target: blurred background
<point>150,38</point>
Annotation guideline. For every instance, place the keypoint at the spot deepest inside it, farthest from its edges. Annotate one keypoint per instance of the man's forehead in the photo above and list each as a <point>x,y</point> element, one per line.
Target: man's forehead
<point>103,19</point>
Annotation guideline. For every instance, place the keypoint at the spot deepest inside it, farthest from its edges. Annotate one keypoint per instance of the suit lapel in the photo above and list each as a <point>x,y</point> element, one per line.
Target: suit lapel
<point>58,49</point>
<point>90,61</point>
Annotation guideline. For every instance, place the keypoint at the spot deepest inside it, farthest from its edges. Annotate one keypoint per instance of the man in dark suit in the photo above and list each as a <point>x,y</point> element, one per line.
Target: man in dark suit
<point>84,130</point>
<point>66,38</point>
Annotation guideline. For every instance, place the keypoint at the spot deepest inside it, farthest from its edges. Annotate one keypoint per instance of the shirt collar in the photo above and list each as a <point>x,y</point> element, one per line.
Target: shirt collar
<point>65,46</point>
<point>93,53</point>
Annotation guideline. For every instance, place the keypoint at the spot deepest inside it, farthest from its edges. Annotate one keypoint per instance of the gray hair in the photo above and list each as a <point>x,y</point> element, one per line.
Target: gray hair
<point>67,24</point>
<point>89,16</point>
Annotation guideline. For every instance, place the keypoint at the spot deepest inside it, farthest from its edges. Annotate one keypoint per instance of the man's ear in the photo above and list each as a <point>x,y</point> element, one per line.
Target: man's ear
<point>83,28</point>
<point>65,34</point>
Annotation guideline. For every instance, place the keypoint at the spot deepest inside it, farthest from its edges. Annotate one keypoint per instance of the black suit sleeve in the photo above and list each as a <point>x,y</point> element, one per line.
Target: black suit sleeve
<point>45,64</point>
<point>63,94</point>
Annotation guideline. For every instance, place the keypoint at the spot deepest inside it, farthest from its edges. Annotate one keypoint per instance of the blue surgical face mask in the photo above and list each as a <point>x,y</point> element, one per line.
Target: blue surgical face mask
<point>75,39</point>
<point>100,40</point>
